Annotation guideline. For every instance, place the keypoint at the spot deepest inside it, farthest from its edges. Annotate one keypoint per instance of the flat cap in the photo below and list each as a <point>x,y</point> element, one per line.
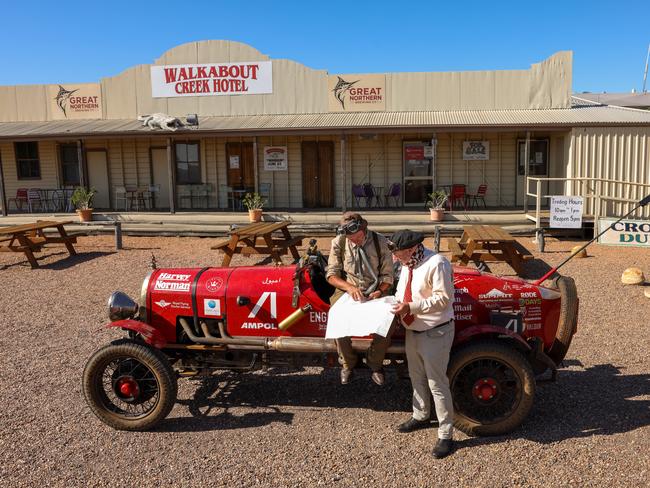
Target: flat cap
<point>403,239</point>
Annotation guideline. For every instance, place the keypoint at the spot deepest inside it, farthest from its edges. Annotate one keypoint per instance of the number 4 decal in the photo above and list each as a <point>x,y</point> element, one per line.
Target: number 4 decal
<point>260,303</point>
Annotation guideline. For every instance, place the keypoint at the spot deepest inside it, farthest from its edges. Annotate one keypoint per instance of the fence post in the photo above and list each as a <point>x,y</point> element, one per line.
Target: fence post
<point>538,205</point>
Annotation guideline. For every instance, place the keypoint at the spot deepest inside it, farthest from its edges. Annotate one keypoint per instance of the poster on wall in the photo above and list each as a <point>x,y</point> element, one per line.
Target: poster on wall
<point>234,162</point>
<point>356,93</point>
<point>202,80</point>
<point>71,102</point>
<point>624,233</point>
<point>566,212</point>
<point>275,158</point>
<point>476,150</point>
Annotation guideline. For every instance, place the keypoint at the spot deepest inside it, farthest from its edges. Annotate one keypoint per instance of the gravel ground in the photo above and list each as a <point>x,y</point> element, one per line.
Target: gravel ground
<point>301,428</point>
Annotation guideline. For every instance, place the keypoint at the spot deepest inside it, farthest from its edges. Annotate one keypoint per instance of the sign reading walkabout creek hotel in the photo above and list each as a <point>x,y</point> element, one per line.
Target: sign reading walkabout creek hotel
<point>71,102</point>
<point>203,80</point>
<point>357,93</point>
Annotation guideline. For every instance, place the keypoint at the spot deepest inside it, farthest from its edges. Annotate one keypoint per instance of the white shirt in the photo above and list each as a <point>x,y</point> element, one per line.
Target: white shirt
<point>432,290</point>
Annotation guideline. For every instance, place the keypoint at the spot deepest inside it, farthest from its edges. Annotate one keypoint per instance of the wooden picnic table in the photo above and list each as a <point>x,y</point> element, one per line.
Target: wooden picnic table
<point>257,239</point>
<point>30,238</point>
<point>488,243</point>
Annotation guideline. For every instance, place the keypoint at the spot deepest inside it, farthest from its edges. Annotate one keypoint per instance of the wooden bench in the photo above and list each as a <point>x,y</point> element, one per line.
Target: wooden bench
<point>523,252</point>
<point>257,238</point>
<point>454,248</point>
<point>30,238</point>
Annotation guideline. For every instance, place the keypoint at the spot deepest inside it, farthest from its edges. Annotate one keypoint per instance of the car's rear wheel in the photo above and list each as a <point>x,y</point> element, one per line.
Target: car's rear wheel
<point>129,386</point>
<point>493,387</point>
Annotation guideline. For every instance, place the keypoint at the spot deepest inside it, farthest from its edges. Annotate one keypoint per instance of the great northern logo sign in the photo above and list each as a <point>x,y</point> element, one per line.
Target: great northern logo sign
<point>357,93</point>
<point>82,101</point>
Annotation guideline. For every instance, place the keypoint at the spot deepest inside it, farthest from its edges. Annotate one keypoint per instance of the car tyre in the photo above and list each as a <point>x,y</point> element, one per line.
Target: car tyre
<point>493,388</point>
<point>129,385</point>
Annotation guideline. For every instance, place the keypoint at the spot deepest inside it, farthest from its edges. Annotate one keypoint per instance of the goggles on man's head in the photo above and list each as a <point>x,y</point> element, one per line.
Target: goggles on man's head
<point>349,227</point>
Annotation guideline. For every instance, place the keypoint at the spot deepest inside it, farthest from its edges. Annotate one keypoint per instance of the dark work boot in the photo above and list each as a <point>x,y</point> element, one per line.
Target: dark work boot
<point>412,424</point>
<point>443,448</point>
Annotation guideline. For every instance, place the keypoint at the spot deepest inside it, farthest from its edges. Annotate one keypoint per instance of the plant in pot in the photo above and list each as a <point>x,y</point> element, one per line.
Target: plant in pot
<point>436,202</point>
<point>82,199</point>
<point>254,203</point>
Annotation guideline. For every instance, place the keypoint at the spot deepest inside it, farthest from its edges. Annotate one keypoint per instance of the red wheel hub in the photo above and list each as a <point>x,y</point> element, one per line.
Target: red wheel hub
<point>127,387</point>
<point>485,389</point>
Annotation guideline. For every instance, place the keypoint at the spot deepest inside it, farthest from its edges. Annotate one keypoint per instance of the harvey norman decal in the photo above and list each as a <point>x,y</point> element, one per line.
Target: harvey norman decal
<point>202,80</point>
<point>173,282</point>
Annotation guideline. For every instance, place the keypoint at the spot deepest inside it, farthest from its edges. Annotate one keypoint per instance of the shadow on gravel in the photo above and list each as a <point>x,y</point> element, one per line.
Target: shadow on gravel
<point>213,400</point>
<point>72,261</point>
<point>600,400</point>
<point>68,262</point>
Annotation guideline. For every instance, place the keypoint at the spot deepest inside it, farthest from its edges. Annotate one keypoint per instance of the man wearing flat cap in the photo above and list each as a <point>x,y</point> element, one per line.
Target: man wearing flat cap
<point>361,265</point>
<point>425,294</point>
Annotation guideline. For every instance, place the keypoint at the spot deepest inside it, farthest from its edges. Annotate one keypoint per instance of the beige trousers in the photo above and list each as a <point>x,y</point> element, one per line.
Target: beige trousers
<point>428,356</point>
<point>376,352</point>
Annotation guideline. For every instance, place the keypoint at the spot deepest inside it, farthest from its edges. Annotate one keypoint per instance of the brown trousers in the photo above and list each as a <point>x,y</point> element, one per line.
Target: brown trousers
<point>376,352</point>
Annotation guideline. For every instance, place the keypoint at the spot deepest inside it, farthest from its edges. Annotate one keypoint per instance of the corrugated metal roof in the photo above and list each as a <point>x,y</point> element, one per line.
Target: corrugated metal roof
<point>578,115</point>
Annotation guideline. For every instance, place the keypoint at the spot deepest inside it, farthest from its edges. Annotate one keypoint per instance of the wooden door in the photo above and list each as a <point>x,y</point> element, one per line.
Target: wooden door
<point>160,169</point>
<point>98,178</point>
<point>317,174</point>
<point>240,165</point>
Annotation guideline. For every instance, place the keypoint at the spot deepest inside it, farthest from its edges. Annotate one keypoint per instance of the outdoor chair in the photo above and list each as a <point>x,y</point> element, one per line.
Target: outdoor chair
<point>358,193</point>
<point>369,194</point>
<point>184,194</point>
<point>458,197</point>
<point>394,192</point>
<point>151,194</point>
<point>120,197</point>
<point>230,196</point>
<point>34,199</point>
<point>20,199</point>
<point>57,200</point>
<point>480,194</point>
<point>200,194</point>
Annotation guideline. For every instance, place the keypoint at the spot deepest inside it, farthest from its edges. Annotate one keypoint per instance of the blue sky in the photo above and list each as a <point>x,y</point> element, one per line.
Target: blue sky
<point>70,41</point>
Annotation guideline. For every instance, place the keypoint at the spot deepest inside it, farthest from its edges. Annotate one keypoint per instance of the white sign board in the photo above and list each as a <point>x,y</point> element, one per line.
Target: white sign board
<point>234,162</point>
<point>203,80</point>
<point>476,150</point>
<point>275,158</point>
<point>624,233</point>
<point>428,152</point>
<point>566,212</point>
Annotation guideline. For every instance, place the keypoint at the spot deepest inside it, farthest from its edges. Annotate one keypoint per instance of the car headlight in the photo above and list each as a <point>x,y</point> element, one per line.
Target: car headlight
<point>121,307</point>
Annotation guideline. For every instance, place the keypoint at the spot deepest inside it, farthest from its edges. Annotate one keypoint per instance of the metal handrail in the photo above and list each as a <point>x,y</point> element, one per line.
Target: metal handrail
<point>592,190</point>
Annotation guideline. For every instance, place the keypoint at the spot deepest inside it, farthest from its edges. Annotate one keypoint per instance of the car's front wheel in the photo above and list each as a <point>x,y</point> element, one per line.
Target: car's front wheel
<point>129,386</point>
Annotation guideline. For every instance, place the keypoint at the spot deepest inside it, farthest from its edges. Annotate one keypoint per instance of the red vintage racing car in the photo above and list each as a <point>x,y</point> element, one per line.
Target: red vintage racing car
<point>190,322</point>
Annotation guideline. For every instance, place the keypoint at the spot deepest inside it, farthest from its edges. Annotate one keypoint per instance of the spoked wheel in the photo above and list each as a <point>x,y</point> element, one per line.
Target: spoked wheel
<point>129,386</point>
<point>493,387</point>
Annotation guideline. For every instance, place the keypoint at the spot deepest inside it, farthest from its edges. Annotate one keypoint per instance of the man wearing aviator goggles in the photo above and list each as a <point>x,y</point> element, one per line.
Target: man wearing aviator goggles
<point>361,265</point>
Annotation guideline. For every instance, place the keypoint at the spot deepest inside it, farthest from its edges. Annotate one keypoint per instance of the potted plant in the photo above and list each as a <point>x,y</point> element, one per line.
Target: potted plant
<point>82,199</point>
<point>254,203</point>
<point>436,203</point>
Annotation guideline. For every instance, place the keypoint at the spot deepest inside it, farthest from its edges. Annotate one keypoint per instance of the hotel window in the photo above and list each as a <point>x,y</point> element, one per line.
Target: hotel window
<point>188,167</point>
<point>69,157</point>
<point>29,166</point>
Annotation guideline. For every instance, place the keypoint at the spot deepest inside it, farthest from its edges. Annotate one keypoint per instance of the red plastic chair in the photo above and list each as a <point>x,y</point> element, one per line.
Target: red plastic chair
<point>458,195</point>
<point>480,194</point>
<point>20,199</point>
